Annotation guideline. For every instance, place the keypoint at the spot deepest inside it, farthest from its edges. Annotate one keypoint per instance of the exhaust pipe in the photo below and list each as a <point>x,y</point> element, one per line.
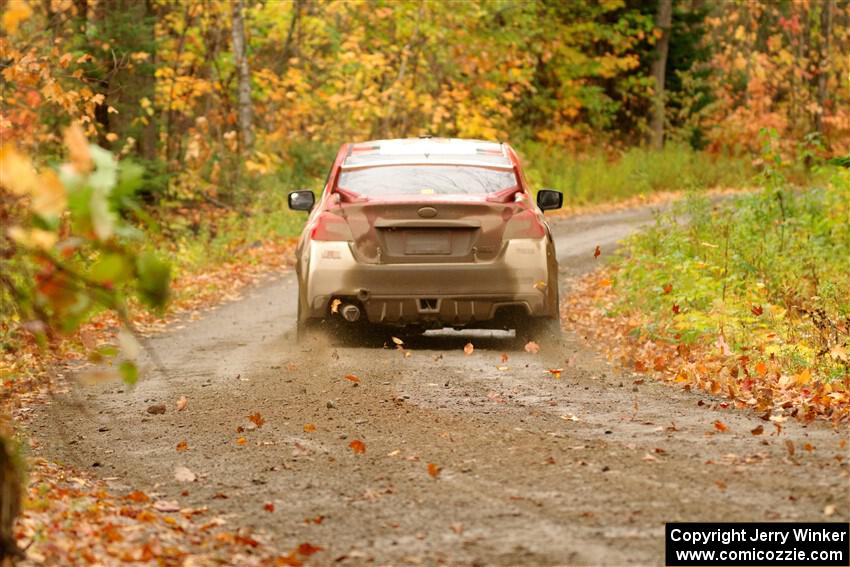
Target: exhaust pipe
<point>350,312</point>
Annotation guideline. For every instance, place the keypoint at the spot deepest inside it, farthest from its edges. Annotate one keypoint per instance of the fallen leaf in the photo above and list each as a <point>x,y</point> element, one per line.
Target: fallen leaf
<point>309,428</point>
<point>181,403</point>
<point>667,288</point>
<point>540,285</point>
<point>308,549</point>
<point>597,252</point>
<point>676,309</point>
<point>358,446</point>
<point>570,417</point>
<point>183,446</point>
<point>241,441</point>
<point>761,368</point>
<point>157,409</point>
<point>757,310</point>
<point>137,496</point>
<point>650,458</point>
<point>166,506</point>
<point>468,348</point>
<point>397,341</point>
<point>556,372</point>
<point>808,447</point>
<point>317,520</point>
<point>268,507</point>
<point>803,377</point>
<point>790,446</point>
<point>457,528</point>
<point>829,510</point>
<point>720,426</point>
<point>758,430</point>
<point>434,470</point>
<point>183,474</point>
<point>838,352</point>
<point>352,378</point>
<point>335,305</point>
<point>532,347</point>
<point>256,419</point>
<point>504,357</point>
<point>720,484</point>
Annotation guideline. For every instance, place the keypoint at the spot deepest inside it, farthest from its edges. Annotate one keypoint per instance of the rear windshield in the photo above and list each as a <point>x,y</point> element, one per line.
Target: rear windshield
<point>426,180</point>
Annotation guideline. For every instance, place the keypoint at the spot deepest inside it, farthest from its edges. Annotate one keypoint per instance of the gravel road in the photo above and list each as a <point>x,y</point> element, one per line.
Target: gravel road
<point>533,470</point>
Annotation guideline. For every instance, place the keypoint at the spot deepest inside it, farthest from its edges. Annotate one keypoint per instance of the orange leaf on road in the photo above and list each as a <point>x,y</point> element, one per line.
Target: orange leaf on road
<point>720,426</point>
<point>468,348</point>
<point>309,428</point>
<point>183,446</point>
<point>308,549</point>
<point>358,446</point>
<point>352,378</point>
<point>256,419</point>
<point>434,470</point>
<point>532,347</point>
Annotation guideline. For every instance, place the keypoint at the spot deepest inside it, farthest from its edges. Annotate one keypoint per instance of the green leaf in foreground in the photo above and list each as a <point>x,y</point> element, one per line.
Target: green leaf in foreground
<point>129,372</point>
<point>154,277</point>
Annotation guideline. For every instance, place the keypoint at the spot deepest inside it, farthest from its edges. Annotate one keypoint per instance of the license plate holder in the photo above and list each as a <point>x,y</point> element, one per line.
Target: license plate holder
<point>427,242</point>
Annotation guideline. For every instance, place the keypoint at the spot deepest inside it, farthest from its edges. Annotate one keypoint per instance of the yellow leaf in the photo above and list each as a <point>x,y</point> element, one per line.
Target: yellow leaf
<point>34,238</point>
<point>16,172</point>
<point>335,305</point>
<point>16,12</point>
<point>48,197</point>
<point>78,148</point>
<point>803,377</point>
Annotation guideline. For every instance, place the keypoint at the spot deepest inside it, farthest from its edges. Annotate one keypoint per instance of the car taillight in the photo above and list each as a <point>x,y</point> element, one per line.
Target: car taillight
<point>524,224</point>
<point>329,226</point>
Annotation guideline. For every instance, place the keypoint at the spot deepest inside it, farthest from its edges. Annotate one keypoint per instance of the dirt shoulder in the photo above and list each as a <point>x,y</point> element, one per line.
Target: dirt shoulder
<point>584,469</point>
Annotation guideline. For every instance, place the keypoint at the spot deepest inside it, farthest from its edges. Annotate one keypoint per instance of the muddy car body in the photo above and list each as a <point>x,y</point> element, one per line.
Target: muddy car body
<point>427,233</point>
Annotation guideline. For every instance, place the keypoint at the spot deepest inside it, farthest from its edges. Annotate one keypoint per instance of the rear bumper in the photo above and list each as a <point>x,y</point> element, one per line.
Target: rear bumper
<point>520,278</point>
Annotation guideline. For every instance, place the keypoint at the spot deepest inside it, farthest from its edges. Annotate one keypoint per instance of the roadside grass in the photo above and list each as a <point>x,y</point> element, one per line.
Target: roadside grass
<point>597,178</point>
<point>748,298</point>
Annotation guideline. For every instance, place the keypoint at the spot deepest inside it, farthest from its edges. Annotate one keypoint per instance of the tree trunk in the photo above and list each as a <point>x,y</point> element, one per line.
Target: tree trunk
<point>10,502</point>
<point>824,62</point>
<point>659,67</point>
<point>240,57</point>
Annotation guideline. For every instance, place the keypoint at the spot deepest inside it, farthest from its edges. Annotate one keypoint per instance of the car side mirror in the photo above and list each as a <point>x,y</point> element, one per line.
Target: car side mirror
<point>302,200</point>
<point>549,200</point>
